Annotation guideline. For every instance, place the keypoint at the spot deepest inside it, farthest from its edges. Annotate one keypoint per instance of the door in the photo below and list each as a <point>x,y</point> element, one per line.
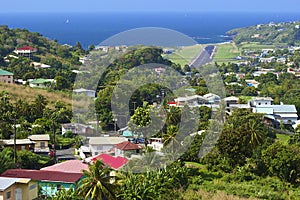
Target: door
<point>18,194</point>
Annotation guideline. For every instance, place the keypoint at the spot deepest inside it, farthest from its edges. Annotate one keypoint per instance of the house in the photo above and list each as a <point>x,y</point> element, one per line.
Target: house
<point>287,113</point>
<point>111,161</point>
<point>126,149</point>
<point>18,188</point>
<point>231,100</point>
<point>77,128</point>
<point>41,83</point>
<point>71,166</point>
<point>41,143</point>
<point>25,51</point>
<point>261,101</point>
<point>212,98</point>
<point>86,92</point>
<point>38,65</point>
<point>156,143</point>
<point>194,100</point>
<point>267,60</point>
<point>6,76</point>
<point>253,83</point>
<point>49,182</point>
<point>98,145</point>
<point>21,144</point>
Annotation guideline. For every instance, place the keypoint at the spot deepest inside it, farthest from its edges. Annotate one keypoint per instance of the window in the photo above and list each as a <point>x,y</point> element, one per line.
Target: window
<point>23,148</point>
<point>33,186</point>
<point>42,144</point>
<point>259,103</point>
<point>8,195</point>
<point>8,77</point>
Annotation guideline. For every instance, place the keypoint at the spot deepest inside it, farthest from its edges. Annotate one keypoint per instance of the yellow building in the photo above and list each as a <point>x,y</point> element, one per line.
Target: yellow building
<point>18,189</point>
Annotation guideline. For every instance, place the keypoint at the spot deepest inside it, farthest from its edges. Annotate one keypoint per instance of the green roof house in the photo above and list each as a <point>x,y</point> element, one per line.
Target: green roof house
<point>6,76</point>
<point>41,83</point>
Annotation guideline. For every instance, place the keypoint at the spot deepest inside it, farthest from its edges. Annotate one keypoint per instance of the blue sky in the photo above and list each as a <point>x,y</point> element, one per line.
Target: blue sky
<point>148,5</point>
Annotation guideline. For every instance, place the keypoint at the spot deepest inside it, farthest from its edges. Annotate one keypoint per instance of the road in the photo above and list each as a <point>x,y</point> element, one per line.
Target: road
<point>204,57</point>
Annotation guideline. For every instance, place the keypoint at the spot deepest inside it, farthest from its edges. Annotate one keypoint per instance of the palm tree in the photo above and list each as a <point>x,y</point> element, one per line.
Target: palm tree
<point>97,184</point>
<point>170,140</point>
<point>256,133</point>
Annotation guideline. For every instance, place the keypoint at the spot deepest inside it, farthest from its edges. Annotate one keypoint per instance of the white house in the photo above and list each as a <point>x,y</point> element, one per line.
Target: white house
<point>287,113</point>
<point>89,93</point>
<point>98,145</point>
<point>77,128</point>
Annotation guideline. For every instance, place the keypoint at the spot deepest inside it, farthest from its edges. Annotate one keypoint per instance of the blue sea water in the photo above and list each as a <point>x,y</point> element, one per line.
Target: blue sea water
<point>93,28</point>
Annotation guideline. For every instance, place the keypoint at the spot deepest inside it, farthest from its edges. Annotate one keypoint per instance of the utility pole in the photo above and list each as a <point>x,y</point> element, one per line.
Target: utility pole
<point>15,139</point>
<point>134,106</point>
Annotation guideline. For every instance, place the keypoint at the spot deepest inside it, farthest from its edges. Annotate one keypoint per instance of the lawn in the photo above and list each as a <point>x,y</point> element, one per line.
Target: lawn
<point>185,55</point>
<point>226,53</point>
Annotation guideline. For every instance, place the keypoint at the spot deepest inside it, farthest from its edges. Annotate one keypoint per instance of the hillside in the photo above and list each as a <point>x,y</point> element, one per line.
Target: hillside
<point>287,33</point>
<point>23,92</point>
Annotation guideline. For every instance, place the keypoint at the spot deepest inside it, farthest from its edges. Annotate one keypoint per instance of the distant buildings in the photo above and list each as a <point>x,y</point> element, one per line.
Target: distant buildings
<point>41,83</point>
<point>6,76</point>
<point>86,92</point>
<point>26,51</point>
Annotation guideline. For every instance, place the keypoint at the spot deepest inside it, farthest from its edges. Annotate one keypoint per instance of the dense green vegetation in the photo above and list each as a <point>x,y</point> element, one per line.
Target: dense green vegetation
<point>62,59</point>
<point>281,34</point>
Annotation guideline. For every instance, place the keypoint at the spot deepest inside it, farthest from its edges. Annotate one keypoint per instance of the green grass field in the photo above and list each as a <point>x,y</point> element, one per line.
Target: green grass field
<point>185,55</point>
<point>226,53</point>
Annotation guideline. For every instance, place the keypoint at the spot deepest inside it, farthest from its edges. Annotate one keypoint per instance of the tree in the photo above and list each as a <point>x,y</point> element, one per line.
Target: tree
<point>64,194</point>
<point>250,91</point>
<point>242,133</point>
<point>96,184</point>
<point>283,161</point>
<point>28,160</point>
<point>6,159</point>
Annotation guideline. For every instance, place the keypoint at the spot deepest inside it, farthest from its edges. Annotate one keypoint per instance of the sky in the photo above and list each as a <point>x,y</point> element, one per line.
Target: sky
<point>149,5</point>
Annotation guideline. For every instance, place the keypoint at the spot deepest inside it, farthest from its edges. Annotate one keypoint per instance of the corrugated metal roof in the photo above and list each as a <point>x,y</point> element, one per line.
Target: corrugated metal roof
<point>5,73</point>
<point>265,110</point>
<point>106,140</point>
<point>42,137</point>
<point>6,182</point>
<point>73,166</point>
<point>43,175</point>
<point>284,108</point>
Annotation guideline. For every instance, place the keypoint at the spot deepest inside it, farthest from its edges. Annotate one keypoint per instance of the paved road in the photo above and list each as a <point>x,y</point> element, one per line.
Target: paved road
<point>204,57</point>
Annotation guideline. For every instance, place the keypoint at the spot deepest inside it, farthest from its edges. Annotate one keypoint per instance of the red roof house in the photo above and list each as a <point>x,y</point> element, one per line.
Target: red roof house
<point>49,182</point>
<point>113,162</point>
<point>43,175</point>
<point>126,147</point>
<point>25,51</point>
<point>72,166</point>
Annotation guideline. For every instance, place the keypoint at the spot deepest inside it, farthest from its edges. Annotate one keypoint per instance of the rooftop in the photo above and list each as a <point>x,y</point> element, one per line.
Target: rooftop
<point>5,73</point>
<point>41,81</point>
<point>106,140</point>
<point>72,166</point>
<point>26,48</point>
<point>18,142</point>
<point>43,175</point>
<point>113,162</point>
<point>6,183</point>
<point>41,137</point>
<point>125,146</point>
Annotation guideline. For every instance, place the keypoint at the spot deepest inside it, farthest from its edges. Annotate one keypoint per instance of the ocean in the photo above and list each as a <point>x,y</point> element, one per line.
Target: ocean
<point>93,28</point>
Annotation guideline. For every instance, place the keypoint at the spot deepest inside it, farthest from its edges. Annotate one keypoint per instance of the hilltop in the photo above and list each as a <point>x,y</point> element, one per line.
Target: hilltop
<point>284,33</point>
